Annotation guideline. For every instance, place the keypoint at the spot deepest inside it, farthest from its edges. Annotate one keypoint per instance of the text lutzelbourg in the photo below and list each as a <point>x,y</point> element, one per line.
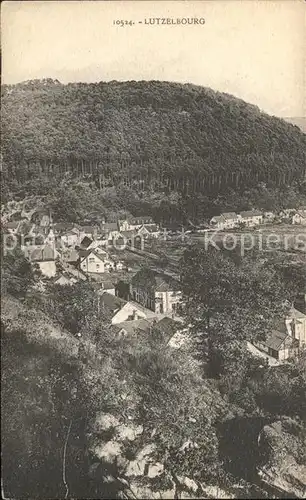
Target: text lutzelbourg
<point>171,20</point>
<point>161,21</point>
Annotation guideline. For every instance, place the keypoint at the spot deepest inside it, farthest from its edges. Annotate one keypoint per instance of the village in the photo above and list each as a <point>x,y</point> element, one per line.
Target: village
<point>111,254</point>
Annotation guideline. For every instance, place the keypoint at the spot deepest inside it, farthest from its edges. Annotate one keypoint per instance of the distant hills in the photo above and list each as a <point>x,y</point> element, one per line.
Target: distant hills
<point>160,134</point>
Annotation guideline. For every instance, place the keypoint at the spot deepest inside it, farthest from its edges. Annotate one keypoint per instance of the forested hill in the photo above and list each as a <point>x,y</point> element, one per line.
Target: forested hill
<point>184,137</point>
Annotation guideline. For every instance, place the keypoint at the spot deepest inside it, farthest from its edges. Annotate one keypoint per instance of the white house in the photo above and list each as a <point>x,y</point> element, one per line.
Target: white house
<point>227,220</point>
<point>89,231</point>
<point>269,216</point>
<point>45,258</point>
<point>296,325</point>
<point>148,231</point>
<point>286,213</point>
<point>251,218</point>
<point>95,261</point>
<point>71,238</point>
<point>299,217</point>
<point>64,280</point>
<point>135,223</point>
<point>120,310</point>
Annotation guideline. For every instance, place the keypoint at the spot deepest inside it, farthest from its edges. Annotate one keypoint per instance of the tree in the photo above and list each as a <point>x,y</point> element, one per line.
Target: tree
<point>18,274</point>
<point>74,306</point>
<point>230,300</point>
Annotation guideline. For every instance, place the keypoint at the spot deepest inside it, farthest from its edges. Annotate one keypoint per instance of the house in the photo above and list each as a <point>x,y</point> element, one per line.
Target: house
<point>269,216</point>
<point>31,242</point>
<point>71,238</point>
<point>135,223</point>
<point>100,242</point>
<point>156,291</point>
<point>134,328</point>
<point>148,231</point>
<point>300,302</point>
<point>89,231</point>
<point>65,280</point>
<point>296,325</point>
<point>120,310</point>
<point>95,261</point>
<point>227,220</point>
<point>45,258</point>
<point>287,338</point>
<point>279,344</point>
<point>299,217</point>
<point>286,213</point>
<point>41,217</point>
<point>126,238</point>
<point>123,225</point>
<point>86,243</point>
<point>218,222</point>
<point>70,255</point>
<point>45,220</point>
<point>110,230</point>
<point>251,218</point>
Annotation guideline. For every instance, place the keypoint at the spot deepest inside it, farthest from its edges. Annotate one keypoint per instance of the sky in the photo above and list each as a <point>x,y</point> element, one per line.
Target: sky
<point>254,50</point>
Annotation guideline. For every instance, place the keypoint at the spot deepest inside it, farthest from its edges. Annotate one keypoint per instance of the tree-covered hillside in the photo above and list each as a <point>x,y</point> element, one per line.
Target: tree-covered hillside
<point>158,134</point>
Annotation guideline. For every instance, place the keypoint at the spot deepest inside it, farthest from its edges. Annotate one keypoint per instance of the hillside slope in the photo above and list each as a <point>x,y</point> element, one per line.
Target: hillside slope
<point>184,137</point>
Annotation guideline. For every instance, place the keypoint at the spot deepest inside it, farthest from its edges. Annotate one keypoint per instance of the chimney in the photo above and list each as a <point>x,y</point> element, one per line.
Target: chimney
<point>135,314</point>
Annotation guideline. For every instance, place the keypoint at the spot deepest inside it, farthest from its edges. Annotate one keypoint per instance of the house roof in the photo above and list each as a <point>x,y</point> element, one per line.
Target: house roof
<point>43,254</point>
<point>296,314</point>
<point>230,215</point>
<point>152,228</point>
<point>136,326</point>
<point>72,232</point>
<point>89,229</point>
<point>63,280</point>
<point>143,228</point>
<point>161,282</point>
<point>276,339</point>
<point>86,242</point>
<point>85,253</point>
<point>218,218</point>
<point>251,213</point>
<point>112,302</point>
<point>165,283</point>
<point>109,226</point>
<point>143,219</point>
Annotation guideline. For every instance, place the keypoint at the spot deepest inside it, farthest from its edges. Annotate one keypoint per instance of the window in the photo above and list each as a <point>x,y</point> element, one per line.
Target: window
<point>91,259</point>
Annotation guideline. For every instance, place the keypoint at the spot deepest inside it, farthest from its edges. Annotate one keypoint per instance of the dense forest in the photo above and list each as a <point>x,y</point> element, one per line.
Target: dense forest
<point>166,135</point>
